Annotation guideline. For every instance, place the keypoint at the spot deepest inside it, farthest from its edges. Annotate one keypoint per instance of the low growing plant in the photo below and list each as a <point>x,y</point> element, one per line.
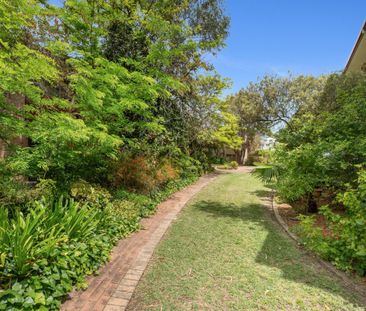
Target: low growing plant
<point>233,165</point>
<point>86,193</point>
<point>48,251</point>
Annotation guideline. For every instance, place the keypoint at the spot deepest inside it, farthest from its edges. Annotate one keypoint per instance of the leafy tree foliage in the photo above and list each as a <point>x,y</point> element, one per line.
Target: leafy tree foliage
<point>98,78</point>
<point>322,148</point>
<point>270,103</point>
<point>98,94</point>
<point>324,143</point>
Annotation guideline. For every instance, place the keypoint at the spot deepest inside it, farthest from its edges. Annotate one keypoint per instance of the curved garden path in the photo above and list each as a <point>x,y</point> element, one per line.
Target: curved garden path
<point>224,252</point>
<point>113,287</point>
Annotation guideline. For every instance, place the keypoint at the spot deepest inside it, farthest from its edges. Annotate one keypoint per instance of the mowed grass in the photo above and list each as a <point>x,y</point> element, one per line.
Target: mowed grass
<point>225,252</point>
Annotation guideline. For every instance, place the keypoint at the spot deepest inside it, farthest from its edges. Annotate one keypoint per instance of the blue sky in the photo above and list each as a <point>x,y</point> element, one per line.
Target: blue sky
<point>277,36</point>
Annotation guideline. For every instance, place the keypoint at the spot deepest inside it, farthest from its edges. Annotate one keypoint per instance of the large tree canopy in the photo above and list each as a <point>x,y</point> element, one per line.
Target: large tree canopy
<point>271,103</point>
<point>95,79</point>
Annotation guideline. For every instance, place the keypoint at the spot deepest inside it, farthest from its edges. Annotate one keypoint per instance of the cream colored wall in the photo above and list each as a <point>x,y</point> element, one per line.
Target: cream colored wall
<point>357,59</point>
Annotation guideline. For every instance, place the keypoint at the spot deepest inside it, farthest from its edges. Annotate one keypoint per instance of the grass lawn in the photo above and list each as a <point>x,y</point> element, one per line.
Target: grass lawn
<point>225,252</point>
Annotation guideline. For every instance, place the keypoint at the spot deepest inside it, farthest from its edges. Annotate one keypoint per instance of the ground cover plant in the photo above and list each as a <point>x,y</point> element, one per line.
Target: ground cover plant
<point>230,165</point>
<point>50,249</point>
<point>225,252</point>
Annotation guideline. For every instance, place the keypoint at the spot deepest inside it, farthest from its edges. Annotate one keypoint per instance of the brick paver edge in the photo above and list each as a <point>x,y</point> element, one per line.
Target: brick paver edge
<point>113,298</point>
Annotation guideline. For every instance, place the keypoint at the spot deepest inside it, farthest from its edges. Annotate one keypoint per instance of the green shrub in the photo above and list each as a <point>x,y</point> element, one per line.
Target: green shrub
<point>25,239</point>
<point>188,166</point>
<point>312,236</point>
<point>264,156</point>
<point>324,141</point>
<point>94,195</point>
<point>349,229</point>
<point>16,192</point>
<point>78,222</point>
<point>230,165</point>
<point>145,203</point>
<point>345,243</point>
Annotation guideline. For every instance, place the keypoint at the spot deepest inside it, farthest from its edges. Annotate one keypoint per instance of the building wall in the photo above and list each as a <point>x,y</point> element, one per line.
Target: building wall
<point>357,60</point>
<point>267,143</point>
<point>19,101</point>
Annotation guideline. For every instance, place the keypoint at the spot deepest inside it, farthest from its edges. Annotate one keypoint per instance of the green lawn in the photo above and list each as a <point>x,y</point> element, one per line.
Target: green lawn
<point>225,252</point>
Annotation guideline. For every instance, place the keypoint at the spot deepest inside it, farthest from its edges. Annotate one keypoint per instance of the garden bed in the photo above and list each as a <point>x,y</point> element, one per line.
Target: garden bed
<point>49,250</point>
<point>290,215</point>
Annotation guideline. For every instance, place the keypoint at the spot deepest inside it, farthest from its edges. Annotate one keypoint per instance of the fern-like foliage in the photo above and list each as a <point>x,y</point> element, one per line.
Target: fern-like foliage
<point>268,174</point>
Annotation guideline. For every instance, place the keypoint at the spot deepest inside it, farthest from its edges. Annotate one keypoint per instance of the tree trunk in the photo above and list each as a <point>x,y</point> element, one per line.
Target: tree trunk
<point>246,155</point>
<point>17,100</point>
<point>244,151</point>
<point>312,206</point>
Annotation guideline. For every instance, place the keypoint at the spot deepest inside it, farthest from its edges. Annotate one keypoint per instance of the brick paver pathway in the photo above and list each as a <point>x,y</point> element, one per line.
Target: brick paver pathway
<point>112,289</point>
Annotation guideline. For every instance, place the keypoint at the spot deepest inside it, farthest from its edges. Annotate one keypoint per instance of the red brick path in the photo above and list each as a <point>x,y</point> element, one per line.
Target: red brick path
<point>112,289</point>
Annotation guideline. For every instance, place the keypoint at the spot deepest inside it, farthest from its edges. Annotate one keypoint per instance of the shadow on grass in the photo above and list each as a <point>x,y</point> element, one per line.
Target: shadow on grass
<point>247,213</point>
<point>278,250</point>
<point>263,194</point>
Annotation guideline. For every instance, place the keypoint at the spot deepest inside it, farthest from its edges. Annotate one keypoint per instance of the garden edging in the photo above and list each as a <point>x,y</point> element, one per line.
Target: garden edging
<point>331,268</point>
<point>112,289</point>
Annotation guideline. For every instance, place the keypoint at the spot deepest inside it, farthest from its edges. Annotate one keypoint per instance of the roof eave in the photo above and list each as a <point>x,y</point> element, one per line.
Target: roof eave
<point>362,33</point>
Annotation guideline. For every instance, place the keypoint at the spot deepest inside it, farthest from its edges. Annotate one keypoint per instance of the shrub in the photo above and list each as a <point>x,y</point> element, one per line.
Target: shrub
<point>345,245</point>
<point>325,140</point>
<point>349,244</point>
<point>17,192</point>
<point>187,166</point>
<point>25,239</point>
<point>312,236</point>
<point>137,174</point>
<point>145,204</point>
<point>165,173</point>
<point>134,173</point>
<point>230,165</point>
<point>94,195</point>
<point>264,156</point>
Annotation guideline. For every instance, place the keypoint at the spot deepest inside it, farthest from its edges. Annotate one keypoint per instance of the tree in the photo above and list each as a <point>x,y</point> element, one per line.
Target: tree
<point>245,105</point>
<point>174,37</point>
<point>324,146</point>
<point>103,78</point>
<point>270,103</point>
